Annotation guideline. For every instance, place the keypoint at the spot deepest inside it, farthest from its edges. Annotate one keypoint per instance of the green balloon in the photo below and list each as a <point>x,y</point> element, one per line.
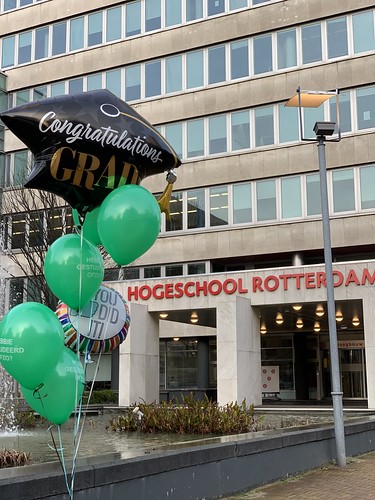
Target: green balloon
<point>60,391</point>
<point>128,223</point>
<point>31,342</point>
<point>89,227</point>
<point>74,270</point>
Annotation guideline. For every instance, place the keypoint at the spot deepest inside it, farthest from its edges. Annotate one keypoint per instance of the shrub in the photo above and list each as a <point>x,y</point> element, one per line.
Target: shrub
<point>13,458</point>
<point>26,419</point>
<point>105,396</point>
<point>191,417</point>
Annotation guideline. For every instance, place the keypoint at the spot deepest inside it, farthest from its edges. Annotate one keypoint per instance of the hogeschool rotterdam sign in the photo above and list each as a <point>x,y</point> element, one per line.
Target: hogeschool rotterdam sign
<point>256,284</point>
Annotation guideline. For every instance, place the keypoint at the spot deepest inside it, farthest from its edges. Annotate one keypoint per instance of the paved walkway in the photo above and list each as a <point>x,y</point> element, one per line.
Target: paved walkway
<point>356,481</point>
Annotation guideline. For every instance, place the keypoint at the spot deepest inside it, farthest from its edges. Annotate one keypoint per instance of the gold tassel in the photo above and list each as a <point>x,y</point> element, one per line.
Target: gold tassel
<point>164,200</point>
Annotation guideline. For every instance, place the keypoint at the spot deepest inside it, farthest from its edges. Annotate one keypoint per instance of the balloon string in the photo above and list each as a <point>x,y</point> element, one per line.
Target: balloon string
<point>89,397</point>
<point>60,454</point>
<point>77,429</point>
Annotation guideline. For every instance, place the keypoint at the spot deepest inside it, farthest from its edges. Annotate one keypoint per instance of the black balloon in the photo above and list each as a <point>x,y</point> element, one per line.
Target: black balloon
<point>87,144</point>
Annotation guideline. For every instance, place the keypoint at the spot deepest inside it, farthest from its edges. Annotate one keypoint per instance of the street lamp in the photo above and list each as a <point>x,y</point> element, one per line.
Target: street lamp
<point>322,130</point>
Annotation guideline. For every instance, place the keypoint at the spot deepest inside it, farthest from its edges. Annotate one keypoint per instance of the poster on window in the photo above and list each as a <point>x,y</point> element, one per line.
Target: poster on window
<point>270,379</point>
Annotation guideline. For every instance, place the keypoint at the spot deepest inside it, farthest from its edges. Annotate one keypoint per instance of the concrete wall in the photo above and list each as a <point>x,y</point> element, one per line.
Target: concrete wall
<point>208,470</point>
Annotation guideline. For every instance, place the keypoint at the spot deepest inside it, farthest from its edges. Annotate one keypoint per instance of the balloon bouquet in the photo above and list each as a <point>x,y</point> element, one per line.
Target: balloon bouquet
<point>93,150</point>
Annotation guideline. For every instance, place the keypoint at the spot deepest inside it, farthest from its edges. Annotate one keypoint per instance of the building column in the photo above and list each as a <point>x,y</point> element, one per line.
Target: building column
<point>139,359</point>
<point>369,335</point>
<point>238,353</point>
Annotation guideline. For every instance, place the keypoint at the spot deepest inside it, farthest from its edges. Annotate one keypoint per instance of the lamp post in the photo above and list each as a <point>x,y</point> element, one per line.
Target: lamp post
<point>322,130</point>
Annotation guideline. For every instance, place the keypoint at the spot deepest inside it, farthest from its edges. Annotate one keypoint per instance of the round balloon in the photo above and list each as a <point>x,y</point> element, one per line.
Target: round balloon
<point>74,270</point>
<point>31,342</point>
<point>60,391</point>
<point>89,227</point>
<point>100,326</point>
<point>128,223</point>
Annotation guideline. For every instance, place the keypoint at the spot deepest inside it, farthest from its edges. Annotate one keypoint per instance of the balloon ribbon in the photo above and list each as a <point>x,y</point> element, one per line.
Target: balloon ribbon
<point>165,199</point>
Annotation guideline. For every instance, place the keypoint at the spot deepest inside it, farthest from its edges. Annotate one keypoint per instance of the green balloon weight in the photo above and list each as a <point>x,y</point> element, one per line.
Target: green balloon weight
<point>74,270</point>
<point>128,223</point>
<point>61,391</point>
<point>31,342</point>
<point>89,226</point>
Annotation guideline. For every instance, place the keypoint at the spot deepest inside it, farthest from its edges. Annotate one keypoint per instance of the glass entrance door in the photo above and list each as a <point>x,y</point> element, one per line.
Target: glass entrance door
<point>353,373</point>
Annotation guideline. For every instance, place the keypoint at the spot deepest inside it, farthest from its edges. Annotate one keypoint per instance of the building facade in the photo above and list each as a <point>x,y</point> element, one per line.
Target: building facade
<point>230,301</point>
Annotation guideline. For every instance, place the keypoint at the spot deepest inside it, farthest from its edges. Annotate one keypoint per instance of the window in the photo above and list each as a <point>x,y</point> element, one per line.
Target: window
<point>39,93</point>
<point>41,43</point>
<point>242,203</point>
<point>311,43</point>
<point>153,15</point>
<point>310,117</point>
<point>153,78</point>
<point>20,168</point>
<point>173,74</point>
<point>16,291</point>
<point>194,69</point>
<point>113,81</point>
<point>366,108</point>
<point>36,229</point>
<point>367,180</point>
<point>313,194</point>
<point>175,207</point>
<point>172,12</point>
<point>174,270</point>
<point>288,124</point>
<point>133,18</point>
<point>8,47</point>
<point>10,4</point>
<point>237,4</point>
<point>264,126</point>
<point>34,289</point>
<point>194,9</point>
<point>57,89</point>
<point>337,37</point>
<point>195,138</point>
<point>133,82</point>
<point>178,364</point>
<point>363,32</point>
<point>240,129</point>
<point>196,208</point>
<point>215,7</point>
<point>291,205</point>
<point>77,33</point>
<point>218,206</point>
<point>173,134</point>
<point>343,190</point>
<point>95,34</point>
<point>266,200</point>
<point>24,47</point>
<point>345,113</point>
<point>75,85</point>
<point>54,225</point>
<point>216,64</point>
<point>239,59</point>
<point>18,231</point>
<point>113,24</point>
<point>22,97</point>
<point>94,82</point>
<point>286,49</point>
<point>152,272</point>
<point>262,54</point>
<point>58,39</point>
<point>217,134</point>
<point>196,268</point>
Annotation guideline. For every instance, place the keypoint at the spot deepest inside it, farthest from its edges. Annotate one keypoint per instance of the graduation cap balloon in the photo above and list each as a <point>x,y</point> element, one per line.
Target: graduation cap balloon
<point>85,145</point>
